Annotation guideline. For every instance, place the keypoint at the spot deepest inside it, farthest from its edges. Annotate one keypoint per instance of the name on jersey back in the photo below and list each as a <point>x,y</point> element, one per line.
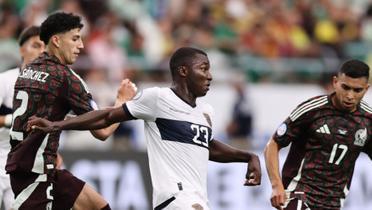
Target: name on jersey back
<point>28,73</point>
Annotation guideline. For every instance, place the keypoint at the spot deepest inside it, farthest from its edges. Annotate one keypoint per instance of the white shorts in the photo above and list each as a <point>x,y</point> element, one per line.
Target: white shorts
<point>6,193</point>
<point>185,201</point>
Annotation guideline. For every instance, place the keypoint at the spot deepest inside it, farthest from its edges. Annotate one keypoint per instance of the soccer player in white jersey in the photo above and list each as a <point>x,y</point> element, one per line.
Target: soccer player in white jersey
<point>178,130</point>
<point>30,47</point>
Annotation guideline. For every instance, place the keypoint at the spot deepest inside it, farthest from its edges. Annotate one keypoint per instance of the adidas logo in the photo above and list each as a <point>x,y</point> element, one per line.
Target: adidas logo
<point>324,129</point>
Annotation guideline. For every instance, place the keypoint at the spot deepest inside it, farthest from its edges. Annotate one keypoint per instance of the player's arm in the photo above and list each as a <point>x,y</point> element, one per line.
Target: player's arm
<point>220,152</point>
<point>89,121</point>
<point>271,155</point>
<point>125,93</point>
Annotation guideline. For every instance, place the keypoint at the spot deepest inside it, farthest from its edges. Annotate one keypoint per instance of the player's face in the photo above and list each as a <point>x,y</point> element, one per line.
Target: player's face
<point>200,77</point>
<point>349,91</point>
<point>70,45</point>
<point>31,49</point>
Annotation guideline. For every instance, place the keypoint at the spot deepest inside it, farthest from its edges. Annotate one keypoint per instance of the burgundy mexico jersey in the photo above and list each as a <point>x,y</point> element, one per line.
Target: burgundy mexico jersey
<point>45,88</point>
<point>325,145</point>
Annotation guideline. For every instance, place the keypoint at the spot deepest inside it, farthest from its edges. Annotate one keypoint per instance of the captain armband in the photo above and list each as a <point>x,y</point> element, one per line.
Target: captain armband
<point>8,120</point>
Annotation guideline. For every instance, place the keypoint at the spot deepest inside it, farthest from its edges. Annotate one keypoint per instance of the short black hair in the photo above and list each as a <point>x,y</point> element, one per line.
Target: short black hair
<point>27,33</point>
<point>59,22</point>
<point>355,69</point>
<point>183,57</point>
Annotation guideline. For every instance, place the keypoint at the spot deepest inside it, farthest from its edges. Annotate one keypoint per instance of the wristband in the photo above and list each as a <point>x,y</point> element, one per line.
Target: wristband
<point>8,120</point>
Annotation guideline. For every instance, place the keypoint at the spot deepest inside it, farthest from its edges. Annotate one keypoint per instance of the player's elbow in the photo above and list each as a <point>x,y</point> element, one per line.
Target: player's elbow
<point>103,137</point>
<point>100,134</point>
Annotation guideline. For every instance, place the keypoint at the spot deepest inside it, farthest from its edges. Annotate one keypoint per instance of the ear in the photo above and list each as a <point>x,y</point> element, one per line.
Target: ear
<point>182,70</point>
<point>56,41</point>
<point>334,81</point>
<point>21,51</point>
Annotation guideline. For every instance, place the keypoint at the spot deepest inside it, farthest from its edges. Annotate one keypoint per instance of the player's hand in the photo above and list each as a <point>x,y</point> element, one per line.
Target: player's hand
<point>253,176</point>
<point>278,196</point>
<point>126,91</point>
<point>37,123</point>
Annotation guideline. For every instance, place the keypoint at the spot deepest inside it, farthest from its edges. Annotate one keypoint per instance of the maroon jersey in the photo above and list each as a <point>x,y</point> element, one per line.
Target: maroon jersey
<point>48,89</point>
<point>325,145</point>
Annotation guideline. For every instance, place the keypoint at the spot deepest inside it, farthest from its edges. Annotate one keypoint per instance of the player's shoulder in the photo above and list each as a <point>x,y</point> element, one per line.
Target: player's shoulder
<point>70,73</point>
<point>154,91</point>
<point>50,65</point>
<point>311,104</point>
<point>205,107</point>
<point>151,93</point>
<point>315,99</point>
<point>366,107</point>
<point>161,92</point>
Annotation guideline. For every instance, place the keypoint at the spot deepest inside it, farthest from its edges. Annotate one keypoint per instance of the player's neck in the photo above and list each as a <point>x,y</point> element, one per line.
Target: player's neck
<point>184,94</point>
<point>55,52</point>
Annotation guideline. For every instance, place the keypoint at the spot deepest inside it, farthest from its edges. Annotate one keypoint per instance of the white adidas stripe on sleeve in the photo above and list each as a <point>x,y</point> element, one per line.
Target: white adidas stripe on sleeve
<point>308,106</point>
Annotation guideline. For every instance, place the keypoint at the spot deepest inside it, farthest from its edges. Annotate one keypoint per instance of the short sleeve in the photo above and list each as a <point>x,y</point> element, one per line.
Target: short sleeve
<point>291,129</point>
<point>144,104</point>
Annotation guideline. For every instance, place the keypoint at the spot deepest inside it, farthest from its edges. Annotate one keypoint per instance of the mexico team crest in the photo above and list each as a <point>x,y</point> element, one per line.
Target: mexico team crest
<point>360,137</point>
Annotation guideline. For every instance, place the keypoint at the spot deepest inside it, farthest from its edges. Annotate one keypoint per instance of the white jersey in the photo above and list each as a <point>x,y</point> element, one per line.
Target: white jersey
<point>7,81</point>
<point>177,137</point>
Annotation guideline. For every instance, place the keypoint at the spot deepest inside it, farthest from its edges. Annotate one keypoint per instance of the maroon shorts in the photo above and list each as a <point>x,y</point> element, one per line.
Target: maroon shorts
<point>32,191</point>
<point>296,204</point>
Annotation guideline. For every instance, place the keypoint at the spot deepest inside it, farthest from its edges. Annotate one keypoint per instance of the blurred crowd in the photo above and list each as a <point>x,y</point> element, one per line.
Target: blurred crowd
<point>266,40</point>
<point>133,38</point>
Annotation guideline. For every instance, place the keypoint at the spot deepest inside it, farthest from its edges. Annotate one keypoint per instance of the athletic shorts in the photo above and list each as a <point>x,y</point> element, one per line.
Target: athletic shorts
<point>296,202</point>
<point>183,200</point>
<point>33,191</point>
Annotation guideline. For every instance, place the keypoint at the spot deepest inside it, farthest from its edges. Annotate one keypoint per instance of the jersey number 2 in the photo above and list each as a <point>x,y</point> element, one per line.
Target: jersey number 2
<point>334,151</point>
<point>23,96</point>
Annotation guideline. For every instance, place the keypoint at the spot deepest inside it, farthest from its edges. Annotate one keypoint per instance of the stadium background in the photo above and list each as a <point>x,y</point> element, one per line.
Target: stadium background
<point>280,52</point>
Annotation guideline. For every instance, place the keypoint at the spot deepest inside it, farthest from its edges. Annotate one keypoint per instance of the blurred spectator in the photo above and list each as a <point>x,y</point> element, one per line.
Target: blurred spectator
<point>104,51</point>
<point>75,6</point>
<point>9,26</point>
<point>366,25</point>
<point>137,36</point>
<point>271,41</point>
<point>35,12</point>
<point>239,129</point>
